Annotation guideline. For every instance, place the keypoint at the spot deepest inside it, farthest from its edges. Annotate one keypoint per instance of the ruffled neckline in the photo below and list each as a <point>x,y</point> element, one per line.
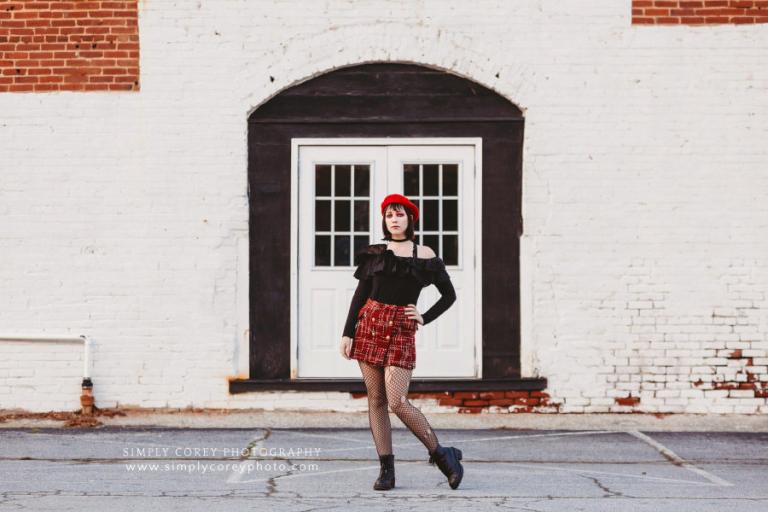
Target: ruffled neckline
<point>408,257</point>
<point>376,259</point>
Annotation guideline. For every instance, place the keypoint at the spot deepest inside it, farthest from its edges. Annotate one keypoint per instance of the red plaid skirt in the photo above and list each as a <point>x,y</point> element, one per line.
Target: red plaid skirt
<point>385,335</point>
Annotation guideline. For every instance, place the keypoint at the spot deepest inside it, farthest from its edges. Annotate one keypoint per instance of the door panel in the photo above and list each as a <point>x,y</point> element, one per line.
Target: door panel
<point>340,190</point>
<point>440,180</point>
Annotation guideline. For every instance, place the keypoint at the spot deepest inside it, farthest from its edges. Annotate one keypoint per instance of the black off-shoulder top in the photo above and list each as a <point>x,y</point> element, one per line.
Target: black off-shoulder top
<point>392,279</point>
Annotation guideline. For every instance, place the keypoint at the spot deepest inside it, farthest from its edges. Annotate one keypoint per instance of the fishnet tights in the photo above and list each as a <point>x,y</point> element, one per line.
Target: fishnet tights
<point>388,385</point>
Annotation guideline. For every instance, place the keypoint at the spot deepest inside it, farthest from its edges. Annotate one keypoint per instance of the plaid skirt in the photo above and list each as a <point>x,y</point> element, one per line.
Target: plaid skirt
<point>385,335</point>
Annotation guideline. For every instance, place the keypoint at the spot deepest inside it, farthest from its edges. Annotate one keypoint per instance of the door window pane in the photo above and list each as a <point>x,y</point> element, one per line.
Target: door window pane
<point>362,215</point>
<point>341,250</point>
<point>323,180</point>
<point>322,250</point>
<point>450,248</point>
<point>362,180</point>
<point>322,215</point>
<point>450,214</point>
<point>342,213</point>
<point>450,179</point>
<point>361,242</point>
<point>430,215</point>
<point>411,180</point>
<point>343,175</point>
<point>431,179</point>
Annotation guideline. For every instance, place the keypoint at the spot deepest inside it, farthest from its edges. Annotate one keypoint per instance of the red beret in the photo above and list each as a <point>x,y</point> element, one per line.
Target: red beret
<point>397,198</point>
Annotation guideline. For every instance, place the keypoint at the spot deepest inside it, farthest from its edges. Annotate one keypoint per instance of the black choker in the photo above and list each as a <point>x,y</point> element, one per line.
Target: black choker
<point>403,240</point>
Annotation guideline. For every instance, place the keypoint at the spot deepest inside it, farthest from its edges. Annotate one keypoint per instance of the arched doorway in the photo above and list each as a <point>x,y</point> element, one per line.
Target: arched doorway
<point>370,106</point>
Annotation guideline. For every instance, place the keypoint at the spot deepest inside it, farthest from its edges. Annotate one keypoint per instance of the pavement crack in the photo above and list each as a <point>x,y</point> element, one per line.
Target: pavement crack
<point>608,493</point>
<point>256,443</point>
<point>6,501</point>
<point>507,505</point>
<point>272,482</point>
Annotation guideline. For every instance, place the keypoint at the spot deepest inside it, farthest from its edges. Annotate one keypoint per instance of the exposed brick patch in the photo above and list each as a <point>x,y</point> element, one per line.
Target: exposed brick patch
<point>629,400</point>
<point>69,46</point>
<point>700,12</point>
<point>474,402</point>
<point>70,418</point>
<point>748,377</point>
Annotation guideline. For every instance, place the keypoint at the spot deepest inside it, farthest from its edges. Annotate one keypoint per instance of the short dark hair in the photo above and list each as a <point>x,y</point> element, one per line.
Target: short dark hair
<point>410,233</point>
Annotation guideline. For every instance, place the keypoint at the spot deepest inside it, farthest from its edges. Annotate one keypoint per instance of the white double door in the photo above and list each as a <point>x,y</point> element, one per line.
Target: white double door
<point>340,190</point>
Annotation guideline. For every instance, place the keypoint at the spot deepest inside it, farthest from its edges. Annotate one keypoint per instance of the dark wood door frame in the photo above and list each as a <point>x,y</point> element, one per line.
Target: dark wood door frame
<point>384,100</point>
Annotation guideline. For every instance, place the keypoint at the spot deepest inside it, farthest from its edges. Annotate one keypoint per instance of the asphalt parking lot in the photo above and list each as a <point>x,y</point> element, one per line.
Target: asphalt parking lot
<point>124,468</point>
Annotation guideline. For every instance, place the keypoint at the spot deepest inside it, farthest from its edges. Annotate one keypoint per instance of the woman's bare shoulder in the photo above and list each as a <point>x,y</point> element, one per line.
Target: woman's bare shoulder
<point>425,251</point>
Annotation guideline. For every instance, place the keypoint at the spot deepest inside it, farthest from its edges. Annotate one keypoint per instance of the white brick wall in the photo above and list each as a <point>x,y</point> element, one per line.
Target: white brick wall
<point>644,174</point>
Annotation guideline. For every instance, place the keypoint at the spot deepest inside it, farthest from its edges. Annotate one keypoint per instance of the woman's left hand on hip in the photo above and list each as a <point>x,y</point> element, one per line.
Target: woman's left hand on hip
<point>413,314</point>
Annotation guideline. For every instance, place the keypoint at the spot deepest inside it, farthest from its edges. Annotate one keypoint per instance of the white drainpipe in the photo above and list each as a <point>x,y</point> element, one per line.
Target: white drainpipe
<point>86,399</point>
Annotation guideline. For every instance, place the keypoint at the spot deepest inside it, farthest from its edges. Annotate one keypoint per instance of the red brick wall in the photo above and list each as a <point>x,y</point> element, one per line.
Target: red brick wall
<point>69,46</point>
<point>476,401</point>
<point>699,12</point>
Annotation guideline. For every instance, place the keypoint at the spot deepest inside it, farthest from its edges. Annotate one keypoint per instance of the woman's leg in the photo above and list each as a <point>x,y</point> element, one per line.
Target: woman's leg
<point>378,416</point>
<point>397,381</point>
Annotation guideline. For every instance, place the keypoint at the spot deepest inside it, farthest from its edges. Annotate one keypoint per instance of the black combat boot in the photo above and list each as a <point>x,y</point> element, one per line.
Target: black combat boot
<point>386,478</point>
<point>447,459</point>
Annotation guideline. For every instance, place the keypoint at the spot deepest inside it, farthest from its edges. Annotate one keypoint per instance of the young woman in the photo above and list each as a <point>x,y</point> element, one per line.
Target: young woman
<point>380,333</point>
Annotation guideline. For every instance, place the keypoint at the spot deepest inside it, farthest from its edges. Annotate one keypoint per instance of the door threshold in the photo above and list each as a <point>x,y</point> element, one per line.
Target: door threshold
<point>356,385</point>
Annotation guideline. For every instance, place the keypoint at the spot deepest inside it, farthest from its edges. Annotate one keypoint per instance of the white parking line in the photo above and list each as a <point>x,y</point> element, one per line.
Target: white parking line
<point>679,460</point>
